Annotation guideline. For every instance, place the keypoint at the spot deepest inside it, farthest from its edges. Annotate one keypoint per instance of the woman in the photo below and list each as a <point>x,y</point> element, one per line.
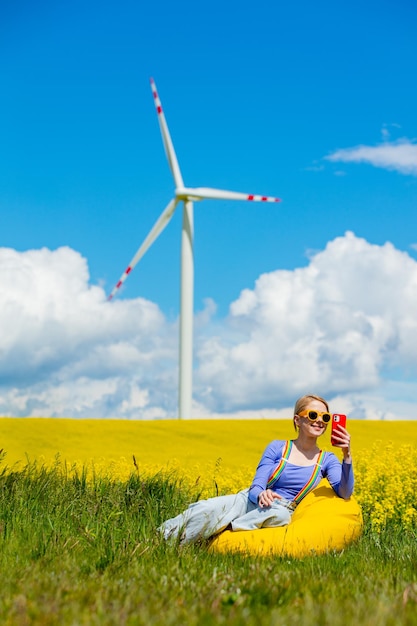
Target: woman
<point>287,471</point>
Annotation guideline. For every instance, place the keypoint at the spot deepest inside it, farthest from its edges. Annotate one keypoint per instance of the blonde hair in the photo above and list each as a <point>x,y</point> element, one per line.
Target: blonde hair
<point>303,402</point>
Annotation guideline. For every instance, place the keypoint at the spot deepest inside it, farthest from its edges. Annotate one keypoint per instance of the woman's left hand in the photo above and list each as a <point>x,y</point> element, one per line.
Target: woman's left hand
<point>341,439</point>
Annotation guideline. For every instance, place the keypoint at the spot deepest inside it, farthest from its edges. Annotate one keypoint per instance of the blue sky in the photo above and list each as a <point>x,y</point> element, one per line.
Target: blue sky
<point>314,103</point>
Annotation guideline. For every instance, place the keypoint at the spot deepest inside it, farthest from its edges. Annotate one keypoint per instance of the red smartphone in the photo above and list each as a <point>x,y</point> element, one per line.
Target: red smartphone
<point>337,419</point>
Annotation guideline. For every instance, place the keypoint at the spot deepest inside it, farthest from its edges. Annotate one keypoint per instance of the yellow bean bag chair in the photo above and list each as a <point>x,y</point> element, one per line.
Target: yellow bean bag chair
<point>321,523</point>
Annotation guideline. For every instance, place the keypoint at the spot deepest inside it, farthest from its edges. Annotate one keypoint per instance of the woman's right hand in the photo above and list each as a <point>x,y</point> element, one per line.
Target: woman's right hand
<point>267,497</point>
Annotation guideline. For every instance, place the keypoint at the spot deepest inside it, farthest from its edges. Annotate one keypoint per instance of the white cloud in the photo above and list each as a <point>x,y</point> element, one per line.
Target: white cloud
<point>334,327</point>
<point>386,132</point>
<point>344,327</point>
<point>400,156</point>
<point>65,350</point>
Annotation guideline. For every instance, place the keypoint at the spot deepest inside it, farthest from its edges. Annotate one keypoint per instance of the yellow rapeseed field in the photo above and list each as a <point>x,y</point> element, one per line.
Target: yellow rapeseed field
<point>219,455</point>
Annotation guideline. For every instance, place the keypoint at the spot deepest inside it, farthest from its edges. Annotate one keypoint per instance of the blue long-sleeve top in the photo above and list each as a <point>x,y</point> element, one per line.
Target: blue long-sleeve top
<point>294,477</point>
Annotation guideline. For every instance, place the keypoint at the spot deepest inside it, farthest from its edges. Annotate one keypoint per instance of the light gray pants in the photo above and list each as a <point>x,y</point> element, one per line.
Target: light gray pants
<point>206,518</point>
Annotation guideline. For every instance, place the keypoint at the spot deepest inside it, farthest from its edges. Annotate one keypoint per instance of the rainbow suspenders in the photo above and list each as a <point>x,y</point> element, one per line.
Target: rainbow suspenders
<point>312,481</point>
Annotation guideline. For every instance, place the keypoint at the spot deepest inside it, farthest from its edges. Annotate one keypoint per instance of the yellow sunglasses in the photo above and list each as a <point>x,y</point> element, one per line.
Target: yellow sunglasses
<point>314,415</point>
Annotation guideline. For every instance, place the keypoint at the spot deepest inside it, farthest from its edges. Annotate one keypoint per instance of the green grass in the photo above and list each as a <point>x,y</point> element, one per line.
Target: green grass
<point>85,552</point>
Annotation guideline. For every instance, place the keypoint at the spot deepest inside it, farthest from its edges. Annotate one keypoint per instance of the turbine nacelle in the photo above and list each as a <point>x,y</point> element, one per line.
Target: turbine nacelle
<point>185,194</point>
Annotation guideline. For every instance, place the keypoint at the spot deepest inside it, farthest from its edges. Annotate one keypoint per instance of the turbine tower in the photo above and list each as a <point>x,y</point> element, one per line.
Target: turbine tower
<point>187,196</point>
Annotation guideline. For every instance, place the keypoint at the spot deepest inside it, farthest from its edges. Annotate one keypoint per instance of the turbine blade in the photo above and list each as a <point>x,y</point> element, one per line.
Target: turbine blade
<point>201,193</point>
<point>155,231</point>
<point>166,137</point>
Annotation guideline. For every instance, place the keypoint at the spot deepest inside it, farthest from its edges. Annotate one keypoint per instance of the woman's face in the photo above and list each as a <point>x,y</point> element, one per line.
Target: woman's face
<point>316,428</point>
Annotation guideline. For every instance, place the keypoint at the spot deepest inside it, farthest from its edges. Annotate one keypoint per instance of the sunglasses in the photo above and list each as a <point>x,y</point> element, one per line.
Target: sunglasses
<point>313,416</point>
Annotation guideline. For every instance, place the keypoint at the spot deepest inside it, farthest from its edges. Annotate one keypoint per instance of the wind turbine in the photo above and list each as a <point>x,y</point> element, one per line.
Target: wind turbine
<point>187,196</point>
